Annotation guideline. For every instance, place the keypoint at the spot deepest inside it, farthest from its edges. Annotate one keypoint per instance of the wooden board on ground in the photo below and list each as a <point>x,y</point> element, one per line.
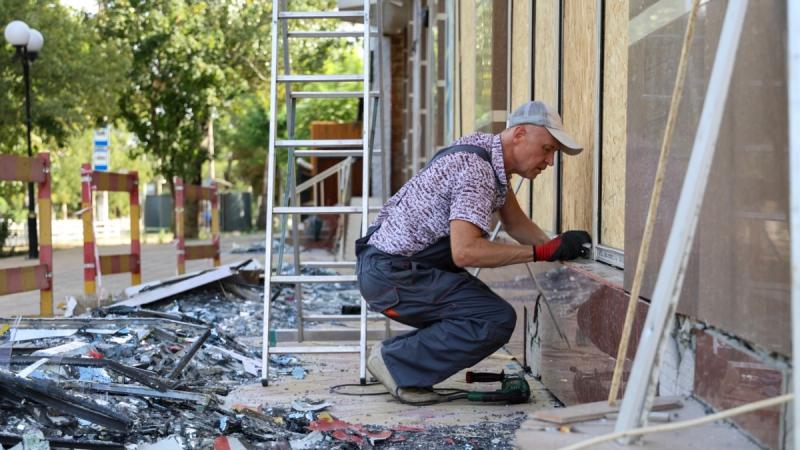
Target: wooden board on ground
<point>596,410</point>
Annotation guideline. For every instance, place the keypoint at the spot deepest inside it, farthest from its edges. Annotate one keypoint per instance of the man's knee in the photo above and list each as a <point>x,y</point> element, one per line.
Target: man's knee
<point>505,320</point>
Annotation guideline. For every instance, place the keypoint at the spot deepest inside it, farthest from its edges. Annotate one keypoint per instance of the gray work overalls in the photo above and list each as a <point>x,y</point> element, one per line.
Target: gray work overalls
<point>459,320</point>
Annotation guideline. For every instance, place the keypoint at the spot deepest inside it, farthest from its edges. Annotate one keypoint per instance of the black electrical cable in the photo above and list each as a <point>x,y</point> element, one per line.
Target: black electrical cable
<point>448,394</point>
<point>335,389</point>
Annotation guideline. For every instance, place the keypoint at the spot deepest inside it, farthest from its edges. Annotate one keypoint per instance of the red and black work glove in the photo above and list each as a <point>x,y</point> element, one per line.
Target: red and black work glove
<point>564,247</point>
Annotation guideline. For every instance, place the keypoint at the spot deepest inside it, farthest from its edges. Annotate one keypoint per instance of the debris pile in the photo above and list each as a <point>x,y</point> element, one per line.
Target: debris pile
<point>152,371</point>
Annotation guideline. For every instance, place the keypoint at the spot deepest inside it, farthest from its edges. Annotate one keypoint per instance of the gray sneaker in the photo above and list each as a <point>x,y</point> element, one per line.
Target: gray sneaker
<point>378,369</point>
<point>418,396</point>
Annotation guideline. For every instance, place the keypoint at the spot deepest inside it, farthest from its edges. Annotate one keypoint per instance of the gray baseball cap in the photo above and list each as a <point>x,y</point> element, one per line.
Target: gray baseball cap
<point>543,115</point>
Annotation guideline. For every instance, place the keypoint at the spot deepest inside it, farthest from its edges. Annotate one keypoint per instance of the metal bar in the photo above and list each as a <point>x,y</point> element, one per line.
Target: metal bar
<point>793,82</point>
<point>597,129</point>
<point>189,354</point>
<point>142,376</point>
<point>323,175</point>
<point>126,389</point>
<point>313,278</point>
<point>291,176</point>
<point>320,349</point>
<point>309,78</point>
<point>330,334</point>
<point>332,94</point>
<point>365,172</point>
<point>661,314</point>
<point>321,15</point>
<point>325,34</point>
<point>273,99</point>
<point>333,153</point>
<point>50,395</point>
<point>416,73</point>
<point>343,317</point>
<point>326,143</point>
<point>610,255</point>
<point>318,210</point>
<point>331,264</point>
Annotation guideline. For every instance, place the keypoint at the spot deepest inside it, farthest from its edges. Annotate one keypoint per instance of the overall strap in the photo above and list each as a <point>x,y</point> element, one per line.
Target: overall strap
<point>480,151</point>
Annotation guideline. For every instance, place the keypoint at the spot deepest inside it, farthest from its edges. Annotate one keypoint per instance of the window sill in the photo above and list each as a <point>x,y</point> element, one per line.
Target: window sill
<point>603,273</point>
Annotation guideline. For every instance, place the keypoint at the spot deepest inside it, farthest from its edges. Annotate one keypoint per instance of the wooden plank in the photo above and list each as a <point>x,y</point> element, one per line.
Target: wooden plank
<point>113,182</point>
<point>578,97</point>
<point>597,410</point>
<point>21,168</point>
<point>112,264</point>
<point>23,279</point>
<point>200,251</point>
<point>615,103</point>
<point>467,67</point>
<point>545,78</point>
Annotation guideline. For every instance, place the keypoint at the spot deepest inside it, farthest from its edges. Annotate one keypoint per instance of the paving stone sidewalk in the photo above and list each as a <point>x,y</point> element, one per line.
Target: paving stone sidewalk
<point>159,261</point>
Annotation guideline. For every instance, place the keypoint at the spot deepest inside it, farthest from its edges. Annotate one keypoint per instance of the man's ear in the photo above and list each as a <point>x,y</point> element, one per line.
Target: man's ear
<point>519,132</point>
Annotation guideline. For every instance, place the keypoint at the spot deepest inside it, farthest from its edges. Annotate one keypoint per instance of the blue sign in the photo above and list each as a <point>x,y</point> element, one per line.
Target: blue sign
<point>101,156</point>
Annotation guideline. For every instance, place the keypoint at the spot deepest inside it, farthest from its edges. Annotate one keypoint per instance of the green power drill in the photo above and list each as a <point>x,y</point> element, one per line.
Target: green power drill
<point>514,388</point>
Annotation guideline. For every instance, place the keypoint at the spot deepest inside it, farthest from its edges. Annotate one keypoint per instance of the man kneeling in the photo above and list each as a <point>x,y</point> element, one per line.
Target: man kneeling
<point>411,262</point>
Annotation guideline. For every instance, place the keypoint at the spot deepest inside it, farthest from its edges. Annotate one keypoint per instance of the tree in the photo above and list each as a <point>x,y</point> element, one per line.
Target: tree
<point>75,83</point>
<point>187,58</point>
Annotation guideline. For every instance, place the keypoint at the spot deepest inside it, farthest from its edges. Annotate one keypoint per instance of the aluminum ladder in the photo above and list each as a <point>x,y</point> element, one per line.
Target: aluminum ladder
<point>349,148</point>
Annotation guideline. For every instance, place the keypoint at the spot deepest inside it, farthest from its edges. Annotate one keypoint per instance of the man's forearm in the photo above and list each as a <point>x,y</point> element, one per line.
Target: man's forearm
<point>528,232</point>
<point>484,253</point>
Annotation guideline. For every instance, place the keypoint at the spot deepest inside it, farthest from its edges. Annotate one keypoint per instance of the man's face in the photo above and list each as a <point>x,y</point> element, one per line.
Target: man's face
<point>537,150</point>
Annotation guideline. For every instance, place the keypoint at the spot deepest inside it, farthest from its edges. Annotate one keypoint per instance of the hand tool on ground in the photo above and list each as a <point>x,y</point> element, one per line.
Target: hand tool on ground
<point>513,388</point>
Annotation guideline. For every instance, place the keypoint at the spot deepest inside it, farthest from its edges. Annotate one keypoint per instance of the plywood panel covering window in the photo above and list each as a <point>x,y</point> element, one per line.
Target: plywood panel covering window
<point>615,103</point>
<point>545,88</point>
<point>521,75</point>
<point>466,66</point>
<point>578,101</point>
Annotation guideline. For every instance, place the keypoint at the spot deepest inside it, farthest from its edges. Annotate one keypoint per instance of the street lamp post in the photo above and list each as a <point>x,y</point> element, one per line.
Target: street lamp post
<point>28,43</point>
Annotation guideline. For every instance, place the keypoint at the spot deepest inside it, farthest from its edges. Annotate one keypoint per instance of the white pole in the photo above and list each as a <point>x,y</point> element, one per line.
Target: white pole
<point>273,99</point>
<point>416,74</point>
<point>365,171</point>
<point>644,373</point>
<point>793,82</point>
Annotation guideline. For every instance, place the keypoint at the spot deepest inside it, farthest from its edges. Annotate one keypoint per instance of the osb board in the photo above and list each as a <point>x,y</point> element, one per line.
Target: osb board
<point>520,52</point>
<point>615,104</point>
<point>545,57</point>
<point>521,75</point>
<point>598,410</point>
<point>467,65</point>
<point>523,194</point>
<point>578,97</point>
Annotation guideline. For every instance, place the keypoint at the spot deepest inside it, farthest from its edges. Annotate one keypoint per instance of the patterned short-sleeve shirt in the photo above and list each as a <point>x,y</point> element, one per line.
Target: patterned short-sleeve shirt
<point>459,186</point>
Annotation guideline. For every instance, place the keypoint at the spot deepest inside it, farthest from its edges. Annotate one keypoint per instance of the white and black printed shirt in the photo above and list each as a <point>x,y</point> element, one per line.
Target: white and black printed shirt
<point>459,186</point>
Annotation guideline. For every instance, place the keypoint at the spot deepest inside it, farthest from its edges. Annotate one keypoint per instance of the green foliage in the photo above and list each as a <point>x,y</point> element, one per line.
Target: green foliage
<point>75,83</point>
<point>66,163</point>
<point>188,57</point>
